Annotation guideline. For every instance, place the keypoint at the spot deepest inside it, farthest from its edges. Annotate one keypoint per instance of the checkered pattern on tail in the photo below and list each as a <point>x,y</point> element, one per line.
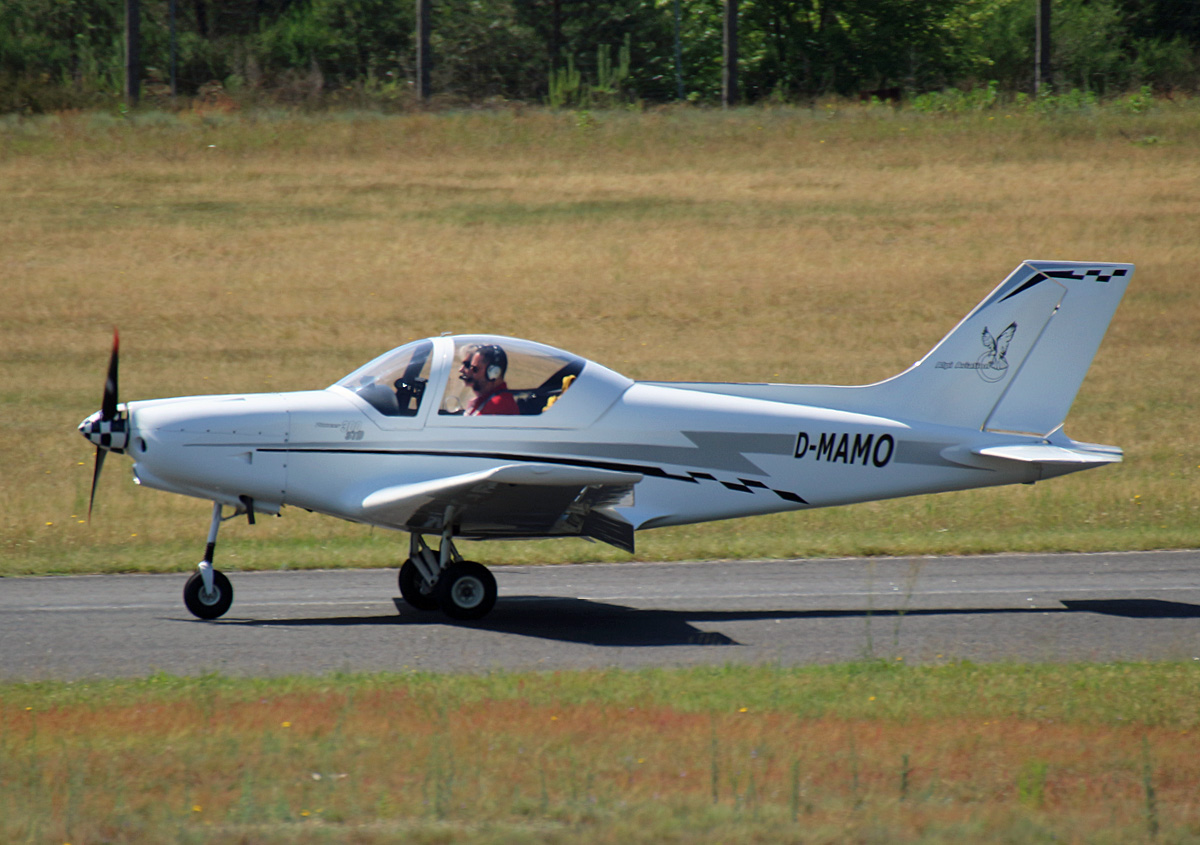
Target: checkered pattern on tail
<point>1096,275</point>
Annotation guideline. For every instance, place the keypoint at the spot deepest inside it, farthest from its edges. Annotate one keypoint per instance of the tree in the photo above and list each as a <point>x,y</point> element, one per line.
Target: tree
<point>813,47</point>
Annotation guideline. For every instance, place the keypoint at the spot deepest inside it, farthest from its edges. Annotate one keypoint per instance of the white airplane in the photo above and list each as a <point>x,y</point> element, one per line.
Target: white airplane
<point>481,437</point>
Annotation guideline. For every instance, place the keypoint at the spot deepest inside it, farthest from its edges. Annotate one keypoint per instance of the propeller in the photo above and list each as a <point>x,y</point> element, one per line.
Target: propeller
<point>108,427</point>
<point>108,406</point>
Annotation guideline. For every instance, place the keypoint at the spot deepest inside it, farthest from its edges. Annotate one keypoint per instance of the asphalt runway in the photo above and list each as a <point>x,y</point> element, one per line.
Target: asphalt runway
<point>1072,607</point>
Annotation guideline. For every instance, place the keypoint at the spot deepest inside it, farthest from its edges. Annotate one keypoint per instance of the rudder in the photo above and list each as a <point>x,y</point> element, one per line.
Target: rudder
<point>1041,393</point>
<point>1016,362</point>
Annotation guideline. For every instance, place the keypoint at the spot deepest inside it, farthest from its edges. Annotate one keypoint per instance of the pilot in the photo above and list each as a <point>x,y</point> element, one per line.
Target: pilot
<point>483,370</point>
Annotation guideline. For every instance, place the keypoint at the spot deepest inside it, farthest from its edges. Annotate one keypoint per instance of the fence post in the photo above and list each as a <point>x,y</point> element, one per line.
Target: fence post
<point>729,72</point>
<point>1041,71</point>
<point>424,56</point>
<point>133,61</point>
<point>678,53</point>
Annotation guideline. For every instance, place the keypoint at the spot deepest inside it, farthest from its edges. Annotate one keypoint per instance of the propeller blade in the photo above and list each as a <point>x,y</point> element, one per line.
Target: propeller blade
<point>108,407</point>
<point>108,414</point>
<point>100,453</point>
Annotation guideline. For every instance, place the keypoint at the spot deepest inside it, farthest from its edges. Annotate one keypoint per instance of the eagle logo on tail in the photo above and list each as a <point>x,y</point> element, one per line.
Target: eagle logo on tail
<point>993,363</point>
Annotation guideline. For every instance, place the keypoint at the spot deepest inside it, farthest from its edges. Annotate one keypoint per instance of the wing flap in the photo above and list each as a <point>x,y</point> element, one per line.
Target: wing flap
<point>607,529</point>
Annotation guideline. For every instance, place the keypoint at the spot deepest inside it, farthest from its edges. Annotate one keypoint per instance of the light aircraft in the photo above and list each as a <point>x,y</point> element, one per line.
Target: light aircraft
<point>480,437</point>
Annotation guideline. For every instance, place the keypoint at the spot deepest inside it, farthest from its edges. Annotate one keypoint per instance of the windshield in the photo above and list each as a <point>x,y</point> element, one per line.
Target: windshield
<point>492,375</point>
<point>394,383</point>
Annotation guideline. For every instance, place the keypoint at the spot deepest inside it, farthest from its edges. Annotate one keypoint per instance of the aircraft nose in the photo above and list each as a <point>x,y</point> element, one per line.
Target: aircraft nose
<point>109,434</point>
<point>88,427</point>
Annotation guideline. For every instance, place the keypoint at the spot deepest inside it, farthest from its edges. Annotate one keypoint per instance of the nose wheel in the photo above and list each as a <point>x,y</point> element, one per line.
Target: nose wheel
<point>208,593</point>
<point>208,603</point>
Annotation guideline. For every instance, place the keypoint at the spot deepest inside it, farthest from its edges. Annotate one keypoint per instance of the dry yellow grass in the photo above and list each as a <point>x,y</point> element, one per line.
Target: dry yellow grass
<point>273,253</point>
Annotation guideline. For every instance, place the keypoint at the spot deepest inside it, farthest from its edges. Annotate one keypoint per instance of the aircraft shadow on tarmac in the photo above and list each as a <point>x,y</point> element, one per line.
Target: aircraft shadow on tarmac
<point>602,624</point>
<point>1135,608</point>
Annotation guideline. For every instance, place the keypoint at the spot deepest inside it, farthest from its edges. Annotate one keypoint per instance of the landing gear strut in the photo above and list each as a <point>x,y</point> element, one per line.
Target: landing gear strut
<point>208,593</point>
<point>429,580</point>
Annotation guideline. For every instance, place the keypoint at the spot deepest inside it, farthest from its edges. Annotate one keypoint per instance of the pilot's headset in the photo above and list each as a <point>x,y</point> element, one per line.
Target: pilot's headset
<point>497,361</point>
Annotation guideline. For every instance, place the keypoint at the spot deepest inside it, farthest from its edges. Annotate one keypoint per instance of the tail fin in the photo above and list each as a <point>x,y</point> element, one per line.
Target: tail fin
<point>1015,363</point>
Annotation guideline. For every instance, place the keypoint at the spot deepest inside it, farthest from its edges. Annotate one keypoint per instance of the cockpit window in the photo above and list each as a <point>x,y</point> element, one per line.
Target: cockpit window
<point>395,382</point>
<point>502,376</point>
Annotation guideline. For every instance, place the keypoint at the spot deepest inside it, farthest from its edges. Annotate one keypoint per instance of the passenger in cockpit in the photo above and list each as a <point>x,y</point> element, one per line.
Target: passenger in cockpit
<point>483,371</point>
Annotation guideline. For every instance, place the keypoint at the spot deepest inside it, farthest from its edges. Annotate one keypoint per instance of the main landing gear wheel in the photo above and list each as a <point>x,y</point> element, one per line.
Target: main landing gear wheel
<point>412,588</point>
<point>208,605</point>
<point>466,590</point>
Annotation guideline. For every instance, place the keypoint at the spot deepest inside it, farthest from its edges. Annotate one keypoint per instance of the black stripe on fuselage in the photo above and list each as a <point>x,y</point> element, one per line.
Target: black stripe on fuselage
<point>653,471</point>
<point>657,472</point>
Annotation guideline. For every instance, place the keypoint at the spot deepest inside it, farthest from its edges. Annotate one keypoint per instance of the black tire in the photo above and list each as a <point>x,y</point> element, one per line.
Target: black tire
<point>467,590</point>
<point>208,606</point>
<point>412,588</point>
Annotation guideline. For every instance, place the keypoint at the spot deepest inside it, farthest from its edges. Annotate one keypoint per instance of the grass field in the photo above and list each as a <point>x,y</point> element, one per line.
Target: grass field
<point>274,251</point>
<point>255,252</point>
<point>869,752</point>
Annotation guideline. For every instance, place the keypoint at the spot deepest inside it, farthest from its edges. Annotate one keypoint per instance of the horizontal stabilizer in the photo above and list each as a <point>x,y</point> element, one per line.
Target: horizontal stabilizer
<point>1046,453</point>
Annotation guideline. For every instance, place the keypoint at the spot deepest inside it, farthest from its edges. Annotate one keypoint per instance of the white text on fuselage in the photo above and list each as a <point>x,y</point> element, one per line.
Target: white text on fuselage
<point>865,449</point>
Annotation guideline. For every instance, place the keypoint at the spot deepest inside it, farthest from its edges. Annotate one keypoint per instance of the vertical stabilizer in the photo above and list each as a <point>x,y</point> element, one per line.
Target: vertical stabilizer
<point>1013,364</point>
<point>1017,360</point>
<point>1043,389</point>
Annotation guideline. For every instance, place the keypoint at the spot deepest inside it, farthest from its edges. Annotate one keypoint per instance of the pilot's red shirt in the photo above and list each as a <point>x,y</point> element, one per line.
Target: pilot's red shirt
<point>499,401</point>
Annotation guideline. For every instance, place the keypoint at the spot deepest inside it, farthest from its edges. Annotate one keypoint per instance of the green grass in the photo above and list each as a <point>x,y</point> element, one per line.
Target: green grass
<point>869,751</point>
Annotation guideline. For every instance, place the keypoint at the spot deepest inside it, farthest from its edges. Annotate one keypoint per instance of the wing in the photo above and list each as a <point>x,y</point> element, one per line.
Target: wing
<point>512,500</point>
